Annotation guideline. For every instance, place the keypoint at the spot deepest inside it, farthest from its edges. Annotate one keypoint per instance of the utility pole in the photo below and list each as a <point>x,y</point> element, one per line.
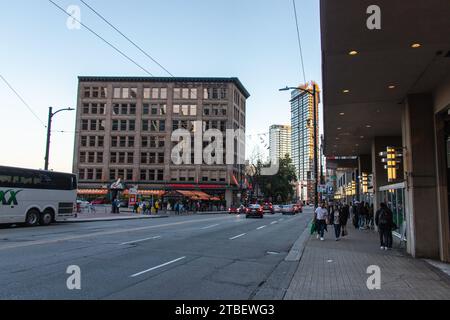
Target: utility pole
<point>49,131</point>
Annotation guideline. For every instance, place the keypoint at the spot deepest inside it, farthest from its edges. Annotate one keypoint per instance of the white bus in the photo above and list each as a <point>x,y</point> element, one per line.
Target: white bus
<point>36,197</point>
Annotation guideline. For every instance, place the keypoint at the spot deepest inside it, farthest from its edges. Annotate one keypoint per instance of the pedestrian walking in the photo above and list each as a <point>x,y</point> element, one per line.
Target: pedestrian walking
<point>344,214</point>
<point>337,225</point>
<point>321,217</point>
<point>385,223</point>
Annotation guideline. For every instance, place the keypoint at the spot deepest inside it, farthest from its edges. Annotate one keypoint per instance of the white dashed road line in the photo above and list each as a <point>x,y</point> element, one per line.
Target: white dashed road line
<point>208,227</point>
<point>157,267</point>
<point>238,236</point>
<point>262,227</point>
<point>141,240</point>
<point>274,222</point>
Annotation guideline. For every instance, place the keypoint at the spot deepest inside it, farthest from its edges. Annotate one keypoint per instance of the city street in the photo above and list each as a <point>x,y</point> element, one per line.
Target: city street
<point>189,257</point>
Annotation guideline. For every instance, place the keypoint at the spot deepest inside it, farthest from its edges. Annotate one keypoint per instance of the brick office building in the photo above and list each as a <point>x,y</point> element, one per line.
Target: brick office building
<point>124,128</point>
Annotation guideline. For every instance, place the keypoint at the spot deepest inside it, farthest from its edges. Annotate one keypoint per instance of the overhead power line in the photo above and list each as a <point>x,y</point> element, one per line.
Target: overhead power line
<point>299,41</point>
<point>127,38</point>
<point>23,101</point>
<point>101,38</point>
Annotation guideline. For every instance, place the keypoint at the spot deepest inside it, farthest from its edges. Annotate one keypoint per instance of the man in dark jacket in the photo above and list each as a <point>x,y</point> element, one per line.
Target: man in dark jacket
<point>344,214</point>
<point>384,221</point>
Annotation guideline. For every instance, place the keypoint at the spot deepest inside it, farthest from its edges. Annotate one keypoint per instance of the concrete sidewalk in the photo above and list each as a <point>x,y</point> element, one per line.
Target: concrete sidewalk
<point>338,270</point>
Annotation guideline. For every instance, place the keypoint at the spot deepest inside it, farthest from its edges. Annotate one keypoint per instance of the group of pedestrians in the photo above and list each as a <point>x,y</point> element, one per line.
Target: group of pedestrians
<point>363,218</point>
<point>331,215</point>
<point>146,207</point>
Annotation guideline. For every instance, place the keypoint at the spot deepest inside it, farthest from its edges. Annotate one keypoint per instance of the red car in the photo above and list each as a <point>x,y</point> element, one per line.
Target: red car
<point>254,210</point>
<point>268,208</point>
<point>99,201</point>
<point>236,210</point>
<point>298,208</point>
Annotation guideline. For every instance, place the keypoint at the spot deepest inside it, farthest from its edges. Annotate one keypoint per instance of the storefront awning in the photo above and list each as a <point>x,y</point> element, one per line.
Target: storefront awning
<point>96,192</point>
<point>158,193</point>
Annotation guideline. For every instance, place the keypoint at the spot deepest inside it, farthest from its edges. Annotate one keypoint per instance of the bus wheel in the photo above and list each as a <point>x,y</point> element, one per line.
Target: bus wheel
<point>32,218</point>
<point>46,218</point>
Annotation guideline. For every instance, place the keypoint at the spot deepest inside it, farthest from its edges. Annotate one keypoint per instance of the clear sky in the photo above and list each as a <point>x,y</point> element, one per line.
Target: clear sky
<point>254,40</point>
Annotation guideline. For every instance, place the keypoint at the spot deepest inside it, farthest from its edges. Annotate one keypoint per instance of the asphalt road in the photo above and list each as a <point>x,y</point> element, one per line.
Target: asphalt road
<point>190,257</point>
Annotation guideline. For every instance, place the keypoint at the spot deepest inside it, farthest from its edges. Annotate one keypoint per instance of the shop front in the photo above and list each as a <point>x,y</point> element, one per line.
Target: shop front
<point>394,197</point>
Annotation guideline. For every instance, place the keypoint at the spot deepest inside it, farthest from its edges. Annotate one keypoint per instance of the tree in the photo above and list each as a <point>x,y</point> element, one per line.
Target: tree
<point>280,187</point>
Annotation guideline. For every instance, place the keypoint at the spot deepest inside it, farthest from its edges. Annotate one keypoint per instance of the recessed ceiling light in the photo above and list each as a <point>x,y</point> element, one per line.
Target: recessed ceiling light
<point>391,87</point>
<point>337,138</point>
<point>362,137</point>
<point>345,91</point>
<point>342,114</point>
<point>353,53</point>
<point>357,145</point>
<point>416,45</point>
<point>339,128</point>
<point>368,126</point>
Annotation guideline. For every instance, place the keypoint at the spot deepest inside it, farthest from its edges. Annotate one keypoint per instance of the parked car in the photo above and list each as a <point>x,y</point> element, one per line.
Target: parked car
<point>268,208</point>
<point>254,210</point>
<point>276,208</point>
<point>99,201</point>
<point>288,209</point>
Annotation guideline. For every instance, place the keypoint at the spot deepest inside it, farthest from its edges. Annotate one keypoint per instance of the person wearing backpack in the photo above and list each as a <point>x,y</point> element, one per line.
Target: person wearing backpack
<point>384,221</point>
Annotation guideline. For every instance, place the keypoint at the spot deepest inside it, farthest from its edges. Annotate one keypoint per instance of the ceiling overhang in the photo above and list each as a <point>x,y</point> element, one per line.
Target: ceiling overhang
<point>385,69</point>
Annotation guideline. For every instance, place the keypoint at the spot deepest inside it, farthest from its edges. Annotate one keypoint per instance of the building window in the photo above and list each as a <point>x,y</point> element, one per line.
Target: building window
<point>177,93</point>
<point>83,141</point>
<point>99,157</point>
<point>129,174</point>
<point>98,174</point>
<point>84,124</point>
<point>82,157</point>
<point>122,157</point>
<point>146,93</point>
<point>143,175</point>
<point>100,141</point>
<point>90,174</point>
<point>130,157</point>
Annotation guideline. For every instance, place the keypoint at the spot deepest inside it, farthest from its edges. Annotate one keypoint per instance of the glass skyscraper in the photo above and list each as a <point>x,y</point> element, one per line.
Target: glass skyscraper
<point>302,140</point>
<point>280,141</point>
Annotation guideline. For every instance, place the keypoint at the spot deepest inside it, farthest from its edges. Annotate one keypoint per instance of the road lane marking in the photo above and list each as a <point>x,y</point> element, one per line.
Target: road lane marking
<point>140,240</point>
<point>157,267</point>
<point>238,236</point>
<point>274,222</point>
<point>261,228</point>
<point>211,226</point>
<point>104,233</point>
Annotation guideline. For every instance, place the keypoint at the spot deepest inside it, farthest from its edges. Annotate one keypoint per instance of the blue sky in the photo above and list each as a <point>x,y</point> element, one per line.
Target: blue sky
<point>254,40</point>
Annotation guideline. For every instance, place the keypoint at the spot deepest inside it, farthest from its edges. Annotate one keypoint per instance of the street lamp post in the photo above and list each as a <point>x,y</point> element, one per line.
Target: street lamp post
<point>313,93</point>
<point>49,131</point>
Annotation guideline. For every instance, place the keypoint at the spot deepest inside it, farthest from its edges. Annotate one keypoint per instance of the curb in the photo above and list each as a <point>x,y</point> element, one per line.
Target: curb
<point>296,252</point>
<point>111,219</point>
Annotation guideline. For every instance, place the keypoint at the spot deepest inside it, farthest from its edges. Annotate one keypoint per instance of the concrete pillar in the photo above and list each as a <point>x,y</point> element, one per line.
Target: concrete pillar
<point>229,197</point>
<point>420,174</point>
